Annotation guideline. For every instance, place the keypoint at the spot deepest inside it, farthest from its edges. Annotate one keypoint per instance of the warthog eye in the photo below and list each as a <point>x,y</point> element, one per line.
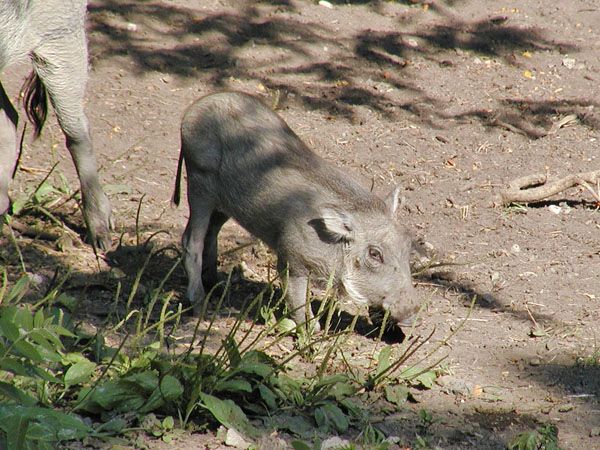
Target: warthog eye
<point>376,255</point>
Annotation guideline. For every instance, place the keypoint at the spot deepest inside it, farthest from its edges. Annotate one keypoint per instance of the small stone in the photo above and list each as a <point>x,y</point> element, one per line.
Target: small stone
<point>412,43</point>
<point>595,432</point>
<point>235,439</point>
<point>334,443</point>
<point>326,4</point>
<point>36,279</point>
<point>569,63</point>
<point>535,362</point>
<point>132,27</point>
<point>515,248</point>
<point>554,209</point>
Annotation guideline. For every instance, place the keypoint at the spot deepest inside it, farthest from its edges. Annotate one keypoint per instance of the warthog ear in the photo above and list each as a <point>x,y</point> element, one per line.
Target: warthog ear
<point>334,225</point>
<point>392,200</point>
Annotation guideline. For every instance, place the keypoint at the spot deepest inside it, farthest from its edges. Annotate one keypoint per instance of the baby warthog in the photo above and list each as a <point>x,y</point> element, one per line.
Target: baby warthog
<point>244,162</point>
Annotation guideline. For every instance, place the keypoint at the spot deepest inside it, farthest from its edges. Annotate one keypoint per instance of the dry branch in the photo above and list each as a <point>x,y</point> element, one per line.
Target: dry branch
<point>534,188</point>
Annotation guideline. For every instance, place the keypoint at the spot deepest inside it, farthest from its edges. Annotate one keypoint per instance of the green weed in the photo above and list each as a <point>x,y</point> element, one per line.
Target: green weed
<point>52,375</point>
<point>544,438</point>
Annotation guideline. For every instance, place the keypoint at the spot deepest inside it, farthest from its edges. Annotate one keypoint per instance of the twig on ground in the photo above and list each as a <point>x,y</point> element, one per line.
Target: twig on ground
<point>534,188</point>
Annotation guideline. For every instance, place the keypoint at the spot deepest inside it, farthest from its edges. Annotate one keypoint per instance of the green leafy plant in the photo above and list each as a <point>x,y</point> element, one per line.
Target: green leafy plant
<point>35,372</point>
<point>144,383</point>
<point>544,438</point>
<point>46,195</point>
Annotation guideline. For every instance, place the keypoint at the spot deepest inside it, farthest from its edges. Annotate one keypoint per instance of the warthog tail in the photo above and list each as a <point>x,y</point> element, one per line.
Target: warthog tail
<point>35,101</point>
<point>177,191</point>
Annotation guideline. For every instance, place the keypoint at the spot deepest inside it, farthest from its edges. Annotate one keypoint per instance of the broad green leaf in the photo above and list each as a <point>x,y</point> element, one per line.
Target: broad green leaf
<point>227,413</point>
<point>252,368</point>
<point>38,318</point>
<point>233,353</point>
<point>46,339</point>
<point>383,359</point>
<point>168,423</point>
<point>329,415</point>
<point>62,331</point>
<point>8,329</point>
<point>410,373</point>
<point>340,391</point>
<point>18,289</point>
<point>80,372</point>
<point>44,190</point>
<point>44,374</point>
<point>234,385</point>
<point>44,425</point>
<point>15,366</point>
<point>23,318</point>
<point>258,356</point>
<point>19,204</point>
<point>397,394</point>
<point>112,395</point>
<point>114,425</point>
<point>298,425</point>
<point>525,441</point>
<point>331,380</point>
<point>28,350</point>
<point>268,396</point>
<point>17,395</point>
<point>426,379</point>
<point>299,445</point>
<point>73,358</point>
<point>16,430</point>
<point>170,389</point>
<point>147,380</point>
<point>292,389</point>
<point>286,325</point>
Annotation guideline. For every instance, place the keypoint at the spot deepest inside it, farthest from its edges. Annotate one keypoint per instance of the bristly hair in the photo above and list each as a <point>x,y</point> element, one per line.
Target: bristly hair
<point>35,102</point>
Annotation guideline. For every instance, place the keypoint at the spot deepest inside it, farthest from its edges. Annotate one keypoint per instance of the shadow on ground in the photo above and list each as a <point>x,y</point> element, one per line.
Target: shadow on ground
<point>218,47</point>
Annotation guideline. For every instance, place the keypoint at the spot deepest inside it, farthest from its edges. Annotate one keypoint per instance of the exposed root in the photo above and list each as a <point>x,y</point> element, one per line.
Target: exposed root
<point>534,188</point>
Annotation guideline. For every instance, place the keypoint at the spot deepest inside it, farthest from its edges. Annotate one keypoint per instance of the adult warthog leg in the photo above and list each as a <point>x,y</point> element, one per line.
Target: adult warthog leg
<point>8,147</point>
<point>61,64</point>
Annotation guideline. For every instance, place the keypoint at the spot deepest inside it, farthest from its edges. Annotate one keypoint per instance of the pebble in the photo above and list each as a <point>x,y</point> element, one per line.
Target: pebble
<point>334,443</point>
<point>569,63</point>
<point>555,209</point>
<point>235,439</point>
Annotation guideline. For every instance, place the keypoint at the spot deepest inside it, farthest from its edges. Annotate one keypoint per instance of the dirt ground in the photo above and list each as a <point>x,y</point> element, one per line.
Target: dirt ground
<point>450,100</point>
